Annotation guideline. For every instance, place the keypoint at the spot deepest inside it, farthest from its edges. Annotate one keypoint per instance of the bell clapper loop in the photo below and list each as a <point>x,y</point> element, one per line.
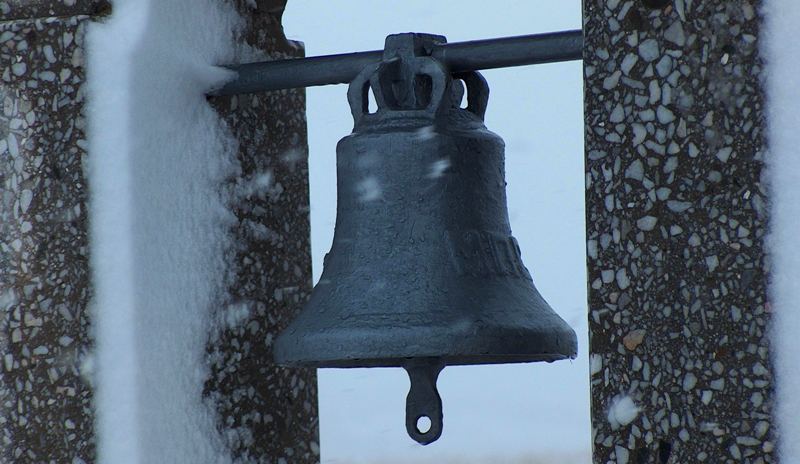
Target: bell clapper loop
<point>423,400</point>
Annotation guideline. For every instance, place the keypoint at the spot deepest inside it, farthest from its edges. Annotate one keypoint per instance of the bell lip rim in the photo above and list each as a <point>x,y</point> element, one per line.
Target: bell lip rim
<point>552,345</point>
<point>451,360</point>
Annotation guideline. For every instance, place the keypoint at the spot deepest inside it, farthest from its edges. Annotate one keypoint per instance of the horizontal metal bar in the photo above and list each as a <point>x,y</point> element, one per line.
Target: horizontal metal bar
<point>458,57</point>
<point>512,51</point>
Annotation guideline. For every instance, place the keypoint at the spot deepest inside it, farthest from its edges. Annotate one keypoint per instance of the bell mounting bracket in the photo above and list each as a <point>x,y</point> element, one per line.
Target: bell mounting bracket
<point>394,76</point>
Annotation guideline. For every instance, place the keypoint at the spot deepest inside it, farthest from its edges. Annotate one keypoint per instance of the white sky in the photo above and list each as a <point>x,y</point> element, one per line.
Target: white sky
<point>506,411</point>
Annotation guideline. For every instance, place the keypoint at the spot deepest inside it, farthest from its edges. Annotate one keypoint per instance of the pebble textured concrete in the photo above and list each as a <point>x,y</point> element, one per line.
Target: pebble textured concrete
<point>270,412</point>
<point>44,277</point>
<point>267,414</point>
<point>29,9</point>
<point>676,217</point>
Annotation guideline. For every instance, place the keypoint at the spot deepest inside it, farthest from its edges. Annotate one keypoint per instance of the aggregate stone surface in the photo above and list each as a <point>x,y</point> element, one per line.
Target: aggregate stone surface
<point>45,401</point>
<point>31,9</point>
<point>271,410</point>
<point>676,219</point>
<point>268,414</point>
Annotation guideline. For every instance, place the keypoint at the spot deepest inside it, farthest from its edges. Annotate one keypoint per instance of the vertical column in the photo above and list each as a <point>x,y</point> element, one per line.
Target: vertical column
<point>45,402</point>
<point>273,410</point>
<point>268,414</point>
<point>676,219</point>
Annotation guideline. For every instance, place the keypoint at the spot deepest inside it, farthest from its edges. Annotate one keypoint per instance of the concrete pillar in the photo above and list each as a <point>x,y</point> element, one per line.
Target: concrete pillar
<point>32,9</point>
<point>45,327</point>
<point>46,403</point>
<point>281,413</point>
<point>676,218</point>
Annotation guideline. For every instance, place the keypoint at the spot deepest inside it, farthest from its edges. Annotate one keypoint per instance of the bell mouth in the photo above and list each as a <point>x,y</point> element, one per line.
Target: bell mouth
<point>446,360</point>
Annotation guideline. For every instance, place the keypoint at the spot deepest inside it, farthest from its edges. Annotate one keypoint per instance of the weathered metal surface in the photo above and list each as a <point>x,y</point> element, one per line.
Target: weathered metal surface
<point>269,412</point>
<point>457,57</point>
<point>45,402</point>
<point>676,217</point>
<point>423,264</point>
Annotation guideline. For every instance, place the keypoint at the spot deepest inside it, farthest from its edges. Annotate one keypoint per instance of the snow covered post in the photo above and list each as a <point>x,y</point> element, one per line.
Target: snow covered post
<point>170,306</point>
<point>45,402</point>
<point>272,410</point>
<point>676,224</point>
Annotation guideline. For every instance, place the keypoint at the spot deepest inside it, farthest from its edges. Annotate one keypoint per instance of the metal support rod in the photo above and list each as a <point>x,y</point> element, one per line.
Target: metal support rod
<point>458,57</point>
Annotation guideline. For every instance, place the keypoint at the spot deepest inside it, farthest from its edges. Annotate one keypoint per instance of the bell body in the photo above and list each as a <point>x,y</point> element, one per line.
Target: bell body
<point>423,263</point>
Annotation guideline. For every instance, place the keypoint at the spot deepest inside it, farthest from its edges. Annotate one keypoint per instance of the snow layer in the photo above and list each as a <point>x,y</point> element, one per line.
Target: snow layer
<point>623,411</point>
<point>157,160</point>
<point>783,180</point>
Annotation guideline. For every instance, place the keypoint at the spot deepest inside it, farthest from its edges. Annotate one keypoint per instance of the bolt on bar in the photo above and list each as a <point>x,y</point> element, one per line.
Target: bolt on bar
<point>458,57</point>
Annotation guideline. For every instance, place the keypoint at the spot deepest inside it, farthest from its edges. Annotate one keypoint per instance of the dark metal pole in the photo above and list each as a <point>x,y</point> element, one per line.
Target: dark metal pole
<point>512,51</point>
<point>458,57</point>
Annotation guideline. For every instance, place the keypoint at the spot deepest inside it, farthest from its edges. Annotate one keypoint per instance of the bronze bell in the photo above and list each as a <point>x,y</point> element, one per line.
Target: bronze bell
<point>423,271</point>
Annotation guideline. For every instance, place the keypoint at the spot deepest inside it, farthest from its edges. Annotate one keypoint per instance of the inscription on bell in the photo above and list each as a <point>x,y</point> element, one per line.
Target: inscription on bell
<point>485,254</point>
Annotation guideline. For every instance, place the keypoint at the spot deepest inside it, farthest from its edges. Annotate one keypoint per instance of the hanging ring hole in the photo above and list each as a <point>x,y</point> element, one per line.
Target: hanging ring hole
<point>459,92</point>
<point>424,424</point>
<point>372,104</point>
